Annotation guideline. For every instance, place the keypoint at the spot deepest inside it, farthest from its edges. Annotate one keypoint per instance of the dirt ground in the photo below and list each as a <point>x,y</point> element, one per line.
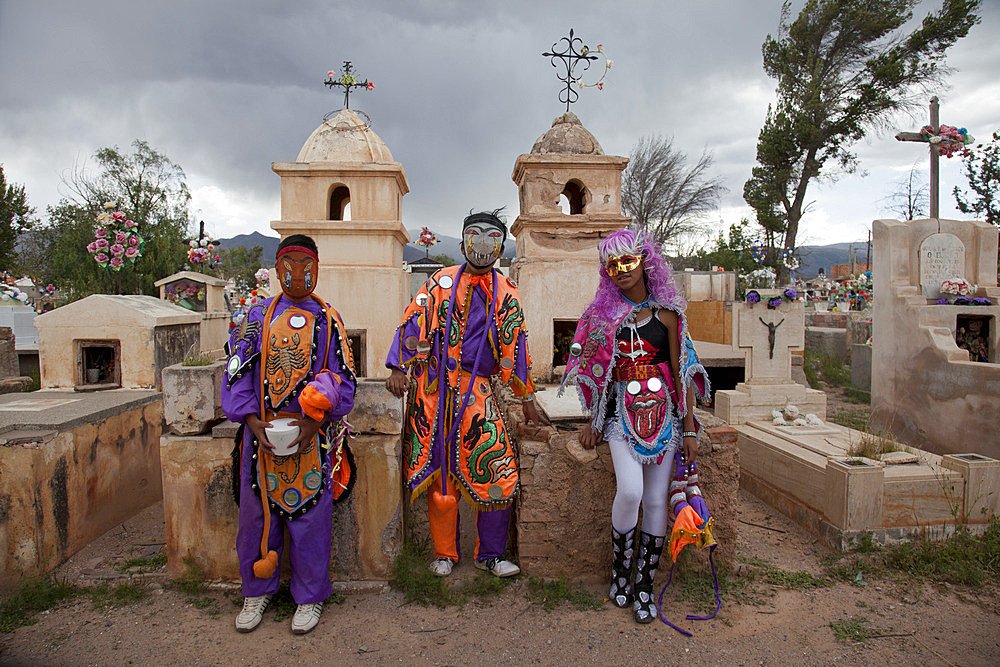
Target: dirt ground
<point>927,624</point>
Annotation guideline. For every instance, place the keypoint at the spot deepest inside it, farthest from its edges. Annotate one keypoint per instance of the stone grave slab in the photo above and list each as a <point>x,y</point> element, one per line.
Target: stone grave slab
<point>942,256</point>
<point>565,408</point>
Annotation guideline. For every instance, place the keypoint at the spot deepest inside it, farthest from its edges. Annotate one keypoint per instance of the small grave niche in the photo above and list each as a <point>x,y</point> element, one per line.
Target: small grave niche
<point>187,293</point>
<point>340,202</point>
<point>357,340</point>
<point>562,337</point>
<point>99,364</point>
<point>972,333</point>
<point>574,192</point>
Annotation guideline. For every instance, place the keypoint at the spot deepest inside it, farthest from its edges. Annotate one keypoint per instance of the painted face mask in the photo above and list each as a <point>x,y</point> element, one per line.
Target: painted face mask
<point>622,264</point>
<point>482,243</point>
<point>297,274</point>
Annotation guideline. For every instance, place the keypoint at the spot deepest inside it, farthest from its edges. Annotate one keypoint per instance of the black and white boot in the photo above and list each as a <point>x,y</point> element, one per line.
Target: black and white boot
<point>621,567</point>
<point>650,548</point>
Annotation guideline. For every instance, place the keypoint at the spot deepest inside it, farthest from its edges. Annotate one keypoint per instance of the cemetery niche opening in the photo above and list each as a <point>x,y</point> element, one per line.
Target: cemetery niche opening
<point>99,363</point>
<point>972,333</point>
<point>340,203</point>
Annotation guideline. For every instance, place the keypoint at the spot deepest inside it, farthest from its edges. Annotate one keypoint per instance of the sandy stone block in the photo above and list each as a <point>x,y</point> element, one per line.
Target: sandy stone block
<point>375,409</point>
<point>722,435</point>
<point>192,399</point>
<point>533,447</point>
<point>982,485</point>
<point>578,452</point>
<point>854,493</point>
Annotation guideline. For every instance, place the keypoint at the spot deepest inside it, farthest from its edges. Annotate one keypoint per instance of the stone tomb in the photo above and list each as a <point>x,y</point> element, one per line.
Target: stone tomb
<point>808,474</point>
<point>106,341</point>
<point>710,296</point>
<point>204,295</point>
<point>767,337</point>
<point>72,466</point>
<point>928,390</point>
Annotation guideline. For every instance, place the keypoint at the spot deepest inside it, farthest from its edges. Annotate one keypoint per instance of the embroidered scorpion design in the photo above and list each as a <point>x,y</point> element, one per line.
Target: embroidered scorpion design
<point>247,330</point>
<point>284,359</point>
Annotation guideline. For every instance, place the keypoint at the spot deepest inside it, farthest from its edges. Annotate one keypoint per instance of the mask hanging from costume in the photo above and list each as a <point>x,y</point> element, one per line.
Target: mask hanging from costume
<point>296,268</point>
<point>482,242</point>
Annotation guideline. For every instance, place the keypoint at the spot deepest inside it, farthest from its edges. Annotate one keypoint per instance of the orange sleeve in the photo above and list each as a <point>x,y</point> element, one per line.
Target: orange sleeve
<point>314,404</point>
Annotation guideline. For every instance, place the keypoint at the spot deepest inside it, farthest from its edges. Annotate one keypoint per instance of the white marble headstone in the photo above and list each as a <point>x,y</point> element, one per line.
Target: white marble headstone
<point>942,257</point>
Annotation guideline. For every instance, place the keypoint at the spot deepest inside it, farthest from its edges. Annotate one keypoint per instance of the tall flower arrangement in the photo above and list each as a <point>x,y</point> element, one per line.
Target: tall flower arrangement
<point>427,239</point>
<point>202,252</point>
<point>256,295</point>
<point>117,243</point>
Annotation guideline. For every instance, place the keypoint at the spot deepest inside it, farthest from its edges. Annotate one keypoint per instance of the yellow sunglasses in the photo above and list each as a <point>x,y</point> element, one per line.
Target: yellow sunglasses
<point>622,264</point>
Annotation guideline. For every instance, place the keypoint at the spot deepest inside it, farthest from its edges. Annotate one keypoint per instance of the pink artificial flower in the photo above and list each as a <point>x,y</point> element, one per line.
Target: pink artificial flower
<point>50,288</point>
<point>118,215</point>
<point>102,244</point>
<point>92,247</point>
<point>116,262</point>
<point>120,237</point>
<point>100,232</point>
<point>371,86</point>
<point>131,252</point>
<point>133,241</point>
<point>129,224</point>
<point>101,258</point>
<point>330,73</point>
<point>117,250</point>
<point>600,85</point>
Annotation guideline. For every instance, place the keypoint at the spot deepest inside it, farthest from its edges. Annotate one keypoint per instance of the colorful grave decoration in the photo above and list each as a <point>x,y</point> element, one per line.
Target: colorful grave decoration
<point>202,251</point>
<point>117,244</point>
<point>427,239</point>
<point>256,295</point>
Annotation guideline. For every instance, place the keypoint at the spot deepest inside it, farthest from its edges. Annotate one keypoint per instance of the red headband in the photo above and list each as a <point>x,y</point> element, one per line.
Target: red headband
<point>290,248</point>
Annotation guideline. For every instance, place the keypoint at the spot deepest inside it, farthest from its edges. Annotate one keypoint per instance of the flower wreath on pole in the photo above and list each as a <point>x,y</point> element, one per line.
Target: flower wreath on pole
<point>117,244</point>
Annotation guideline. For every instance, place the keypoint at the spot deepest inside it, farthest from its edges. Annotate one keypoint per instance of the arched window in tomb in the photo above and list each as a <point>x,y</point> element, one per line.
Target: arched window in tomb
<point>340,203</point>
<point>574,192</point>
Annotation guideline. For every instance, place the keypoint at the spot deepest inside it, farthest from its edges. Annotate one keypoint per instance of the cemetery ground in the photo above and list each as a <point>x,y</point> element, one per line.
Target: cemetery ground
<point>787,601</point>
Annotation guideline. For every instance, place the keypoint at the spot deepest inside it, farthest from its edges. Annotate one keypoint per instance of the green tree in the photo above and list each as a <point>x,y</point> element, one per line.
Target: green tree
<point>447,260</point>
<point>843,68</point>
<point>149,189</point>
<point>241,264</point>
<point>16,218</point>
<point>982,170</point>
<point>664,194</point>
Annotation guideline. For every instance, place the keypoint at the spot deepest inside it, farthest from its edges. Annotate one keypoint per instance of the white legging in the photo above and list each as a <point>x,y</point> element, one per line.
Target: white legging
<point>637,482</point>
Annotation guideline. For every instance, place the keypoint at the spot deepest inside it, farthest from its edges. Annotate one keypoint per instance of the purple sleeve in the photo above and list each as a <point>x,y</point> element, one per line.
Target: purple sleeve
<point>399,355</point>
<point>340,395</point>
<point>240,398</point>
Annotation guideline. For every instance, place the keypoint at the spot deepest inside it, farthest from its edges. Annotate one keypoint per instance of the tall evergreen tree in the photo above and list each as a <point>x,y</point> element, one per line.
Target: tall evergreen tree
<point>843,67</point>
<point>16,217</point>
<point>982,170</point>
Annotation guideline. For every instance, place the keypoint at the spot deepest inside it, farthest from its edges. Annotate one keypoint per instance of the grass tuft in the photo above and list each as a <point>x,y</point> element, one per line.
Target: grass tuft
<point>192,582</point>
<point>34,596</point>
<point>420,585</point>
<point>550,594</point>
<point>143,563</point>
<point>854,628</point>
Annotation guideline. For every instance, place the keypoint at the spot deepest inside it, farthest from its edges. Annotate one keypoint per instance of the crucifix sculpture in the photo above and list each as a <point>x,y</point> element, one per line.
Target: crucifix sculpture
<point>771,328</point>
<point>347,81</point>
<point>570,58</point>
<point>937,136</point>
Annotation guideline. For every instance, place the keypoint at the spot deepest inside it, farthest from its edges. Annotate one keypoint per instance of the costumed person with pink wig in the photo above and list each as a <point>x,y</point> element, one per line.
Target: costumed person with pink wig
<point>637,373</point>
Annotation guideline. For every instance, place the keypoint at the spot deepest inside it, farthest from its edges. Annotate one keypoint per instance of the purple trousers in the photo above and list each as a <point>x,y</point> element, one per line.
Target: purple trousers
<point>309,551</point>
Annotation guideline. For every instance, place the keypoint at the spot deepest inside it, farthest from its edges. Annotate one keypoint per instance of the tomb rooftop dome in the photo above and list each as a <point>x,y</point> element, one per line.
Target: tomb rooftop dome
<point>344,138</point>
<point>567,136</point>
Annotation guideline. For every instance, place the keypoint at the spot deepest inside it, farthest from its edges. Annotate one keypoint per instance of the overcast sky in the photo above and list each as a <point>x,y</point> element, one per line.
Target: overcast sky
<point>225,88</point>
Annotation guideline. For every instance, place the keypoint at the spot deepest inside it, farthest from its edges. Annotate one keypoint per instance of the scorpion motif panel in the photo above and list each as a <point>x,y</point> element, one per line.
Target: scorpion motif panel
<point>287,354</point>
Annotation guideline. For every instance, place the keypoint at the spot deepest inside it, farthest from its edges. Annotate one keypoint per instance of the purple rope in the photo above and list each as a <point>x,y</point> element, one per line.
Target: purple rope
<point>443,368</point>
<point>691,617</point>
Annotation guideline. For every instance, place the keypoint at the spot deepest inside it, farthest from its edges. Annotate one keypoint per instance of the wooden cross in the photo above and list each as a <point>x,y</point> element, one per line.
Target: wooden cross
<point>916,136</point>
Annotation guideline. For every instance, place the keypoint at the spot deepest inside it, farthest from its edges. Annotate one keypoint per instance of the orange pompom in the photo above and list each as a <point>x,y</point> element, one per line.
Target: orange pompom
<point>254,292</point>
<point>266,567</point>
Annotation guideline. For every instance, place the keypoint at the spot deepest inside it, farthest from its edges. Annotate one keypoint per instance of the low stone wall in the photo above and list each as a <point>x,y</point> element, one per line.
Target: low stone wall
<point>837,320</point>
<point>564,510</point>
<point>202,519</point>
<point>62,485</point>
<point>832,342</point>
<point>861,366</point>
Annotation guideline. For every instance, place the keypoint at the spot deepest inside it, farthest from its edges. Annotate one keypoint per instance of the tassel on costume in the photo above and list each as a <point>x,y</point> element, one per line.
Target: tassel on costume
<point>268,563</point>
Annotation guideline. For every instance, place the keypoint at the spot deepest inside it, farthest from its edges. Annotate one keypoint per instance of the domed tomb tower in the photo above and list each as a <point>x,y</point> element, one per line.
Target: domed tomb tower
<point>345,191</point>
<point>557,261</point>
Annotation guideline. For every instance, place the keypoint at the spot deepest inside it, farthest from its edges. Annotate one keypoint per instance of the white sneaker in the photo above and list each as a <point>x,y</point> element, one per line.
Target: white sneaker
<point>252,612</point>
<point>306,617</point>
<point>498,566</point>
<point>441,566</point>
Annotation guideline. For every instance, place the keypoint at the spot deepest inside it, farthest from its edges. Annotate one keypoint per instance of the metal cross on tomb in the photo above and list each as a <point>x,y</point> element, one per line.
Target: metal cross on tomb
<point>935,128</point>
<point>570,58</point>
<point>347,81</point>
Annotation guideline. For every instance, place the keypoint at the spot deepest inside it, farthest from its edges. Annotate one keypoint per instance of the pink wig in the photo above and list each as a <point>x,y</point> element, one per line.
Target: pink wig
<point>609,304</point>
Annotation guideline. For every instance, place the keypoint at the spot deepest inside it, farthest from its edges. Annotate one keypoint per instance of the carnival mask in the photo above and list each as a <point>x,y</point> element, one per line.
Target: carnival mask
<point>622,264</point>
<point>296,271</point>
<point>482,243</point>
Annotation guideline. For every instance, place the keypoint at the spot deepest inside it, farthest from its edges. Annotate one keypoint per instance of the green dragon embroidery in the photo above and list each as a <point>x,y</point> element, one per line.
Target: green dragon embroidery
<point>487,463</point>
<point>512,317</point>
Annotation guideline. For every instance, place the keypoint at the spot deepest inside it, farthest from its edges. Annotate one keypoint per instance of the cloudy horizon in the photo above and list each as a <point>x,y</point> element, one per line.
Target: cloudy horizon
<point>224,89</point>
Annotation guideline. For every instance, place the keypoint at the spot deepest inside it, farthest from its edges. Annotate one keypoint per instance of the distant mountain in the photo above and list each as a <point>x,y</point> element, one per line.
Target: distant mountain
<point>268,243</point>
<point>815,257</point>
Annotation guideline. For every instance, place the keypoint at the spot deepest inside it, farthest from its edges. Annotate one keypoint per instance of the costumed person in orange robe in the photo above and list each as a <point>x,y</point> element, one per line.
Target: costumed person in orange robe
<point>289,358</point>
<point>455,441</point>
<point>637,373</point>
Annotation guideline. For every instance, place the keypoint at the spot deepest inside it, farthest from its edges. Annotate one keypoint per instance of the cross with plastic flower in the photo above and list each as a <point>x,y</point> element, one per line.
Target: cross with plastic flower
<point>347,81</point>
<point>571,58</point>
<point>943,139</point>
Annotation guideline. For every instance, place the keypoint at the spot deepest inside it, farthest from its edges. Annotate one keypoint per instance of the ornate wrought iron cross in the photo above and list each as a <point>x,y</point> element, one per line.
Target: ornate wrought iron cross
<point>347,81</point>
<point>570,58</point>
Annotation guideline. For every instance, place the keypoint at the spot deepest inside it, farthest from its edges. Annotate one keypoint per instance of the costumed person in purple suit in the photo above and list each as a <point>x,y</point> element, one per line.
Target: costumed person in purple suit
<point>455,441</point>
<point>637,373</point>
<point>289,358</point>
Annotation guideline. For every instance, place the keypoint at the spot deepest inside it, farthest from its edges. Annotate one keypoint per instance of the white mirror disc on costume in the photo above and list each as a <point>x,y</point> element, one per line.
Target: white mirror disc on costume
<point>597,370</point>
<point>633,387</point>
<point>297,321</point>
<point>233,365</point>
<point>654,384</point>
<point>446,282</point>
<point>421,300</point>
<point>423,347</point>
<point>506,363</point>
<point>410,343</point>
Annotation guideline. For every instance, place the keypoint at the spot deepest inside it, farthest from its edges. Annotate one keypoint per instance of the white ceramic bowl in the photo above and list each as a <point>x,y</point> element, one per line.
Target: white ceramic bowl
<point>282,434</point>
